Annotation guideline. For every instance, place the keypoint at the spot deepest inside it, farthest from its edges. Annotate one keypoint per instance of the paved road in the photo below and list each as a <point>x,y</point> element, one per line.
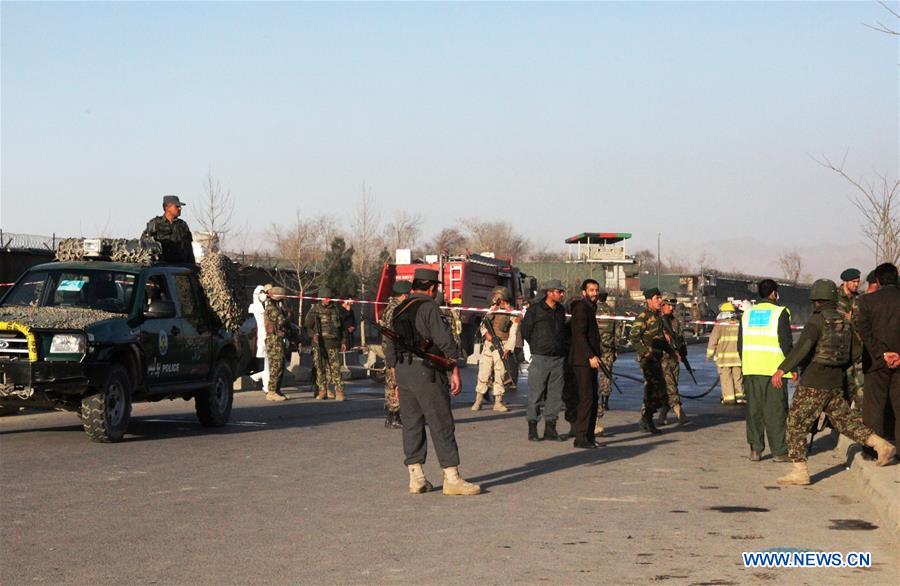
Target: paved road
<point>315,493</point>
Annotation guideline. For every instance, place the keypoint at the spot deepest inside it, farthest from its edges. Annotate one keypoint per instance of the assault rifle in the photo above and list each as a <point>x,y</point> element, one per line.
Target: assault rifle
<point>681,351</point>
<point>607,372</point>
<point>430,359</point>
<point>687,365</point>
<point>508,361</point>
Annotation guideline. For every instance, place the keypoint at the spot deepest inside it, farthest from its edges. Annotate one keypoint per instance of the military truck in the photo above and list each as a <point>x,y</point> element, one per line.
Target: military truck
<point>95,337</point>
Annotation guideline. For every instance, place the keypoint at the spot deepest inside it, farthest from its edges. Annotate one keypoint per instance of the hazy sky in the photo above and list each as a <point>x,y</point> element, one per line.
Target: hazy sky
<point>696,120</point>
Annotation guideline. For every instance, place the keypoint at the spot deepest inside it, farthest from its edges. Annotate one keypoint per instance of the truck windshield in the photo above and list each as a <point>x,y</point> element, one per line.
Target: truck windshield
<point>91,289</point>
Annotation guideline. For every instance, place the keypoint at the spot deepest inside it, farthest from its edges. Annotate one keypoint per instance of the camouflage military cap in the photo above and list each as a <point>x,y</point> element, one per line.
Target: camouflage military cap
<point>850,275</point>
<point>325,293</point>
<point>501,292</point>
<point>669,298</point>
<point>277,292</point>
<point>401,287</point>
<point>172,199</point>
<point>648,293</point>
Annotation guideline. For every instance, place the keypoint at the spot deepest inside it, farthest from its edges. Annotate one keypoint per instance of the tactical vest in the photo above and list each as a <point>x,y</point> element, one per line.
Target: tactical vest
<point>404,323</point>
<point>502,325</point>
<point>329,319</point>
<point>833,347</point>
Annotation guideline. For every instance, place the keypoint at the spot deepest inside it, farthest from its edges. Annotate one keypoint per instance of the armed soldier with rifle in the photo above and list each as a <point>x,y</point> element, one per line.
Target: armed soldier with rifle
<point>421,348</point>
<point>674,355</point>
<point>324,321</point>
<point>499,330</point>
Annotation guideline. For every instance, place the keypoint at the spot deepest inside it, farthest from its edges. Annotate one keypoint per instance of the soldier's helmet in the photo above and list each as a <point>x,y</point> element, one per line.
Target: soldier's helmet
<point>501,293</point>
<point>823,290</point>
<point>670,299</point>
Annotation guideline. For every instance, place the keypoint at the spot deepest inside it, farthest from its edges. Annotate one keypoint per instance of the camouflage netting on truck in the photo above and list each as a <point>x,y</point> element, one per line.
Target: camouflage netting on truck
<point>54,317</point>
<point>117,249</point>
<point>223,289</point>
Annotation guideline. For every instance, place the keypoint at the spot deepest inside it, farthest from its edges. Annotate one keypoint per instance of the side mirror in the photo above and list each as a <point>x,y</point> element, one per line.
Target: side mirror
<point>160,309</point>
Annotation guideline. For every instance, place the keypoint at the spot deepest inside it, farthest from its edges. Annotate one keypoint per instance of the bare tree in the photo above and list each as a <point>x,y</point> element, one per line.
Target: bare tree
<point>883,28</point>
<point>448,241</point>
<point>303,245</point>
<point>404,230</point>
<point>496,237</point>
<point>791,264</point>
<point>215,211</point>
<point>366,238</point>
<point>543,254</point>
<point>879,204</point>
<point>705,260</point>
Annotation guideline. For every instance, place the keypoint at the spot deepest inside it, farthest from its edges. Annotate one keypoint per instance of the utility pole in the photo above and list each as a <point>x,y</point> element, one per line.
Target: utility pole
<point>658,236</point>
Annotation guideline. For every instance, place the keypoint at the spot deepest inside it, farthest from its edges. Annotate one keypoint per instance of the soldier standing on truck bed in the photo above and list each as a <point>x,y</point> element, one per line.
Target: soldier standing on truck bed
<point>325,326</point>
<point>172,233</point>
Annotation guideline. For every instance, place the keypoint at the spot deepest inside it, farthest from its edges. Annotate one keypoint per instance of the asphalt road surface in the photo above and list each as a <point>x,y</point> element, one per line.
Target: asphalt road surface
<point>309,492</point>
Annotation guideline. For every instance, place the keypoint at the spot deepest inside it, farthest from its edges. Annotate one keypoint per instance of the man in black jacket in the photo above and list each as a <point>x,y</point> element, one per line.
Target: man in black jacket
<point>878,323</point>
<point>544,328</point>
<point>584,357</point>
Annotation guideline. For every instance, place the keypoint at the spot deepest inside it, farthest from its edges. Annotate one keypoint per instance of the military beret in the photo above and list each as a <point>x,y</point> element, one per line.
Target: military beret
<point>850,275</point>
<point>401,287</point>
<point>426,275</point>
<point>167,199</point>
<point>325,292</point>
<point>870,278</point>
<point>648,293</point>
<point>552,284</point>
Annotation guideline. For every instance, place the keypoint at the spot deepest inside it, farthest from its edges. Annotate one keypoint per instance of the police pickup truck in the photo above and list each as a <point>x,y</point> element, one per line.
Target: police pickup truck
<point>95,337</point>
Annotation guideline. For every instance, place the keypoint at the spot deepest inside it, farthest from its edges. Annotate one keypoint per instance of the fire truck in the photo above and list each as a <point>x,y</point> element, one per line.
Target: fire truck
<point>468,281</point>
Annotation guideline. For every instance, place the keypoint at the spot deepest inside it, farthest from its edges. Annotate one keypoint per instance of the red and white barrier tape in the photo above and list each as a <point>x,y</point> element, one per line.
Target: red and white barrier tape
<point>6,284</point>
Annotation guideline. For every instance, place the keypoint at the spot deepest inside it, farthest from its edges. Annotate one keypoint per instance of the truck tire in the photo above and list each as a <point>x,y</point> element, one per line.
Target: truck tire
<point>105,414</point>
<point>213,404</point>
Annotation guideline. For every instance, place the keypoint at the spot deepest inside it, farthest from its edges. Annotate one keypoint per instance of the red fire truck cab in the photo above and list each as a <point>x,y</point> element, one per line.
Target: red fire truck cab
<point>470,279</point>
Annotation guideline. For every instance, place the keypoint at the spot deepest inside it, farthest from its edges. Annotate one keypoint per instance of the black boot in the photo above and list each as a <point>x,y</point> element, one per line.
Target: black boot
<point>647,422</point>
<point>550,431</point>
<point>532,432</point>
<point>604,399</point>
<point>396,423</point>
<point>388,419</point>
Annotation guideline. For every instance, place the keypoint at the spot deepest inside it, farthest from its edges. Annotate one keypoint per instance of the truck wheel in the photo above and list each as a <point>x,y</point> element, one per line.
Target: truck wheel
<point>105,415</point>
<point>213,404</point>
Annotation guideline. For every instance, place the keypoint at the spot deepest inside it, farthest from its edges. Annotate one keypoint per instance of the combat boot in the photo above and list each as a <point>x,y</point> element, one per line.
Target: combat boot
<point>330,394</point>
<point>799,475</point>
<point>321,395</point>
<point>532,432</point>
<point>339,396</point>
<point>454,485</point>
<point>479,399</point>
<point>388,419</point>
<point>682,418</point>
<point>663,417</point>
<point>276,396</point>
<point>498,403</point>
<point>647,423</point>
<point>550,432</point>
<point>418,484</point>
<point>883,448</point>
<point>397,423</point>
<point>604,400</point>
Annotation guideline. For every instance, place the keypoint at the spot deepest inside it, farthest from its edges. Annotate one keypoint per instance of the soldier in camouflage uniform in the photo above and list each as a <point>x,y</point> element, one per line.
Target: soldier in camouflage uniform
<point>495,352</point>
<point>391,392</point>
<point>277,331</point>
<point>610,331</point>
<point>649,343</point>
<point>828,338</point>
<point>324,324</point>
<point>671,361</point>
<point>848,302</point>
<point>171,232</point>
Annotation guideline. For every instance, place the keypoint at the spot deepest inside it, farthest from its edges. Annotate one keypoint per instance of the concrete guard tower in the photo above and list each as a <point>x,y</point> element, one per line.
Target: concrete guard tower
<point>606,249</point>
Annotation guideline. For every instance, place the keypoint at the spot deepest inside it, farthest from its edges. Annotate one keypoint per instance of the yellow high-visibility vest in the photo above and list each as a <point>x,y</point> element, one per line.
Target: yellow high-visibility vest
<point>761,353</point>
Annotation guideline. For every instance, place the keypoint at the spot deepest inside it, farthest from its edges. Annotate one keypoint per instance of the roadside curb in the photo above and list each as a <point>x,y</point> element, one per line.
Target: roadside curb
<point>880,485</point>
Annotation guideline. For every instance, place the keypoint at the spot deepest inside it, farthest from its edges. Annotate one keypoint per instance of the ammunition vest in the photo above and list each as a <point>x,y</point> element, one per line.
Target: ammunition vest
<point>761,353</point>
<point>833,347</point>
<point>404,323</point>
<point>329,319</point>
<point>502,325</point>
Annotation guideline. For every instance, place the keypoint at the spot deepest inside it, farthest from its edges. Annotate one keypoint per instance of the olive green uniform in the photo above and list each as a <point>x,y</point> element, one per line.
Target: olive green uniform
<point>671,365</point>
<point>391,395</point>
<point>828,336</point>
<point>326,319</point>
<point>174,238</point>
<point>650,344</point>
<point>610,330</point>
<point>276,323</point>
<point>848,306</point>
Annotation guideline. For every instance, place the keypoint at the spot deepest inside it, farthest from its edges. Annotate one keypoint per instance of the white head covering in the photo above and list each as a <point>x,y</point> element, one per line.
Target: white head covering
<point>258,310</point>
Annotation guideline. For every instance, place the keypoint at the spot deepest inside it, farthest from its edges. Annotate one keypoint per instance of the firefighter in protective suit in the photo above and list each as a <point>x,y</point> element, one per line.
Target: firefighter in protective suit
<point>828,342</point>
<point>499,330</point>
